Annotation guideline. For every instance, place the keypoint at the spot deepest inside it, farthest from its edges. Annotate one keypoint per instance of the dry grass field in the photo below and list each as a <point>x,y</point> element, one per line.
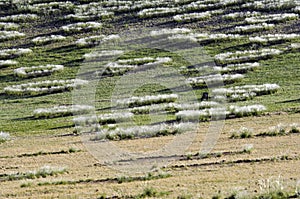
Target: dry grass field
<point>272,163</point>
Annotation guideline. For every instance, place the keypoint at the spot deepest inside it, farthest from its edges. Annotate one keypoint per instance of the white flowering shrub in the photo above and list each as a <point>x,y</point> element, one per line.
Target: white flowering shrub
<point>173,31</point>
<point>42,172</point>
<point>48,39</point>
<point>86,124</point>
<point>274,38</point>
<point>50,170</point>
<point>51,7</point>
<point>206,37</point>
<point>295,46</point>
<point>202,115</point>
<point>230,68</point>
<point>267,5</point>
<point>241,111</point>
<point>281,129</point>
<point>10,35</point>
<point>114,68</point>
<point>4,137</point>
<point>19,18</point>
<point>153,12</point>
<point>85,120</point>
<point>214,79</point>
<point>81,26</point>
<point>294,128</point>
<point>7,63</point>
<point>207,5</point>
<point>61,111</point>
<point>246,92</point>
<point>297,9</point>
<point>172,107</point>
<point>192,16</point>
<point>148,100</point>
<point>247,148</point>
<point>11,53</point>
<point>239,68</point>
<point>144,60</point>
<point>218,113</point>
<point>95,40</point>
<point>271,18</point>
<point>246,56</point>
<point>144,131</point>
<point>240,15</point>
<point>103,54</point>
<point>36,71</point>
<point>253,28</point>
<point>242,133</point>
<point>121,66</point>
<point>90,11</point>
<point>88,16</point>
<point>9,26</point>
<point>114,117</point>
<point>44,87</point>
<point>153,108</point>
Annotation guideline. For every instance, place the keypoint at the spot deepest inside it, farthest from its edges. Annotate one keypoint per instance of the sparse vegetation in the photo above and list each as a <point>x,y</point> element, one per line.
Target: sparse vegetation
<point>281,130</point>
<point>4,137</point>
<point>151,192</point>
<point>242,133</point>
<point>42,172</point>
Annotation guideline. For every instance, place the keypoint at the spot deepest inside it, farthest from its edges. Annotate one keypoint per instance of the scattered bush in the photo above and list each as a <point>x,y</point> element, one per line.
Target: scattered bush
<point>36,71</point>
<point>19,18</point>
<point>242,133</point>
<point>151,12</point>
<point>148,100</point>
<point>214,79</point>
<point>6,63</point>
<point>62,111</point>
<point>44,87</point>
<point>48,39</point>
<point>144,131</point>
<point>81,26</point>
<point>42,172</point>
<point>219,113</point>
<point>95,40</point>
<point>246,56</point>
<point>15,52</point>
<point>4,137</point>
<point>10,35</point>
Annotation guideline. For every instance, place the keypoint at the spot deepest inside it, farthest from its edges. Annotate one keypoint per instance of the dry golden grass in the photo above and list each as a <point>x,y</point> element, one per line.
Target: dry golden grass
<point>224,174</point>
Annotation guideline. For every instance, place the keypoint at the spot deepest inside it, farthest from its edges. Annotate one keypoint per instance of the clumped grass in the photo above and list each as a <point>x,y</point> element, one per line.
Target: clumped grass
<point>24,185</point>
<point>41,153</point>
<point>185,197</point>
<point>242,133</point>
<point>151,192</point>
<point>4,137</point>
<point>149,176</point>
<point>217,196</point>
<point>281,130</point>
<point>102,196</point>
<point>273,195</point>
<point>294,128</point>
<point>43,172</point>
<point>119,180</point>
<point>248,148</point>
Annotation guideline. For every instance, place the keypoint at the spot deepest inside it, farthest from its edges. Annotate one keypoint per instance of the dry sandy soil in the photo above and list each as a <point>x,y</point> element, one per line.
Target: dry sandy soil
<point>272,159</point>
